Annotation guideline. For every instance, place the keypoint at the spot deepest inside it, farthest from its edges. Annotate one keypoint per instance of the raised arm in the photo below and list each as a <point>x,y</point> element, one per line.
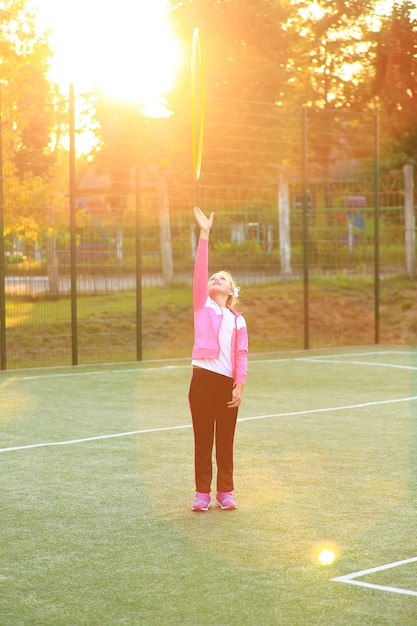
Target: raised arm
<point>204,222</point>
<point>201,260</point>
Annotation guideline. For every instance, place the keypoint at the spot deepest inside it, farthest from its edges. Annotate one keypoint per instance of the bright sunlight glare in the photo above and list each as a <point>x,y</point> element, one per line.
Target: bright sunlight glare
<point>325,552</point>
<point>326,556</point>
<point>126,49</point>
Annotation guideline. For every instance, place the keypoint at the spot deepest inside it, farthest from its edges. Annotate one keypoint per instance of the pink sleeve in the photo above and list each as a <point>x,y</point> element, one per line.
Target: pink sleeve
<point>200,275</point>
<point>241,365</point>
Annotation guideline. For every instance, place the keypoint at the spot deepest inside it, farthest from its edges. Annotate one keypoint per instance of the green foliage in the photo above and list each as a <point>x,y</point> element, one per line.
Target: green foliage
<point>401,150</point>
<point>325,55</point>
<point>395,84</point>
<point>28,121</point>
<point>237,255</point>
<point>25,90</point>
<point>245,43</point>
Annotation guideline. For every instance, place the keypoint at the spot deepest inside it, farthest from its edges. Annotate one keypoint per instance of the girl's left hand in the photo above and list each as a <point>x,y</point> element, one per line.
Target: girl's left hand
<point>236,396</point>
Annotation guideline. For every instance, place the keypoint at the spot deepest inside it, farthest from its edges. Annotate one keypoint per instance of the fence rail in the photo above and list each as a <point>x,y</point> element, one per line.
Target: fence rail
<point>297,195</point>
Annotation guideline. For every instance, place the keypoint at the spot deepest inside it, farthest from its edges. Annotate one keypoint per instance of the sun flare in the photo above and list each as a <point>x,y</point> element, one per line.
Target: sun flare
<point>125,50</point>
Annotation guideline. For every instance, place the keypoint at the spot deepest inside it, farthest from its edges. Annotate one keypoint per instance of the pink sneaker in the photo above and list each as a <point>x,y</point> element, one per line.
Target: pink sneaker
<point>226,500</point>
<point>201,501</point>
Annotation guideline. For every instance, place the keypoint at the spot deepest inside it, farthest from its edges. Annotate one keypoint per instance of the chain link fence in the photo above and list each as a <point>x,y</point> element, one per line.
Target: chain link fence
<point>97,258</point>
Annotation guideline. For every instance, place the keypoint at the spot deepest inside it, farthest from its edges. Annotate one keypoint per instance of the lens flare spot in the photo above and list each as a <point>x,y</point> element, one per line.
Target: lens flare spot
<point>326,552</point>
<point>326,556</point>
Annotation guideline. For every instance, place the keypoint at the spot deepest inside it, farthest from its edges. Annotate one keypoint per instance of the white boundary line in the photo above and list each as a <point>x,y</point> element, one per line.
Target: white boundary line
<point>330,409</point>
<point>372,363</point>
<point>47,373</point>
<point>93,438</point>
<point>362,405</point>
<point>351,578</point>
<point>312,358</point>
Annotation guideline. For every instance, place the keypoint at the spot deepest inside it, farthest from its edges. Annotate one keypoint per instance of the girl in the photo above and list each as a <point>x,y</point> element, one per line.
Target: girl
<point>219,361</point>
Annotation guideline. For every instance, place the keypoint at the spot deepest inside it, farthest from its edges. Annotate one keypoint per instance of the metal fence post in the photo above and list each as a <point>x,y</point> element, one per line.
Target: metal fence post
<point>138,242</point>
<point>376,231</point>
<point>2,258</point>
<point>305,235</point>
<point>73,225</point>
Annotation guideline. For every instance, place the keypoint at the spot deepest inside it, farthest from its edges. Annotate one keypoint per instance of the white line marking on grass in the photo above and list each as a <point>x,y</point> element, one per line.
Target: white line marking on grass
<point>328,409</point>
<point>351,578</point>
<point>143,370</point>
<point>373,364</point>
<point>93,438</point>
<point>182,426</point>
<point>347,355</point>
<point>103,372</point>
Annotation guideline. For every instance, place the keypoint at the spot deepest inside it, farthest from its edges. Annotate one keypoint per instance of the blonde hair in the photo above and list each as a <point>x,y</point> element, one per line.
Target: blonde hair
<point>233,285</point>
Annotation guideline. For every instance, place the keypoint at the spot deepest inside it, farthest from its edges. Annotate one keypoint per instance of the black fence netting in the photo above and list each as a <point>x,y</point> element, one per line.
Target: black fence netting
<point>97,250</point>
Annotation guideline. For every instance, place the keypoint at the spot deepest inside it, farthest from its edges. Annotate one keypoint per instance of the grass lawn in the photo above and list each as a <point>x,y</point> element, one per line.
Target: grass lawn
<point>341,313</point>
<point>97,486</point>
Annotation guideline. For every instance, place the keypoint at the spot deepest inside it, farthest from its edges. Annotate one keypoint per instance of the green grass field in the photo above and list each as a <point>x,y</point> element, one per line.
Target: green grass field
<point>97,487</point>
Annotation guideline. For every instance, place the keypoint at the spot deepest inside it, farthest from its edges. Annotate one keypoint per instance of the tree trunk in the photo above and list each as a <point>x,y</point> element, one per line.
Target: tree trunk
<point>284,224</point>
<point>409,220</point>
<point>52,265</point>
<point>165,230</point>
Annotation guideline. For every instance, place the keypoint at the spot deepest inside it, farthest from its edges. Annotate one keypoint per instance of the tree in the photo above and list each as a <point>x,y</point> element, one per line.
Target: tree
<point>326,55</point>
<point>133,145</point>
<point>246,48</point>
<point>26,91</point>
<point>394,88</point>
<point>331,62</point>
<point>27,118</point>
<point>118,153</point>
<point>246,45</point>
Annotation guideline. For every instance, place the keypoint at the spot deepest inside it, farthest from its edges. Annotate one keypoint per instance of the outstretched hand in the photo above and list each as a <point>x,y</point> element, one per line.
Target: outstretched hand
<point>204,222</point>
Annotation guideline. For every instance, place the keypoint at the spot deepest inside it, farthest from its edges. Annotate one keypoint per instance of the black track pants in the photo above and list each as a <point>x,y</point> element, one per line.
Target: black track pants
<point>212,422</point>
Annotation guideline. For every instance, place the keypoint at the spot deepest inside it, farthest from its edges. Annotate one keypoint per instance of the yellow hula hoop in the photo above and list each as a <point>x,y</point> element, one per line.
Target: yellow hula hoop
<point>197,144</point>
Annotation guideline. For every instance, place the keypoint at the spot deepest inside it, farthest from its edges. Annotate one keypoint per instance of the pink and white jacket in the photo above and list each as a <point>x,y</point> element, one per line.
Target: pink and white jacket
<point>208,317</point>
